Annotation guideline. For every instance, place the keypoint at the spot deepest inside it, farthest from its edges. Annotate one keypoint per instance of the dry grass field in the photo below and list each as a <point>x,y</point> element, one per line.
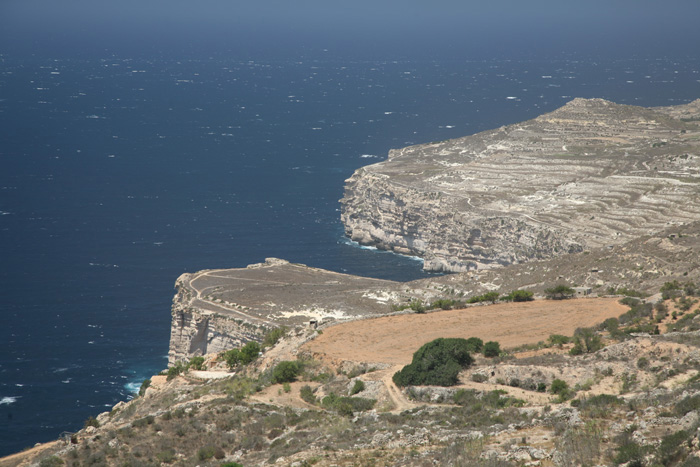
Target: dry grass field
<point>394,339</point>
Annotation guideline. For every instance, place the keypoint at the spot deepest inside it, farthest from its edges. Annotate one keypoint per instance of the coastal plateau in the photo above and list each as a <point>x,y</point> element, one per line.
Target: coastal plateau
<point>589,174</point>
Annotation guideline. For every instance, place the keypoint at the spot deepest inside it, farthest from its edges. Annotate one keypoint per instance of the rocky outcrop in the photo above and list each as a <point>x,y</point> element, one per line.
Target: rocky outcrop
<point>590,174</point>
<point>196,330</point>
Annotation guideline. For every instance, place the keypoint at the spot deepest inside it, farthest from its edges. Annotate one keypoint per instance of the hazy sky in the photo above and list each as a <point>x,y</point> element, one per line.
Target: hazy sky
<point>375,27</point>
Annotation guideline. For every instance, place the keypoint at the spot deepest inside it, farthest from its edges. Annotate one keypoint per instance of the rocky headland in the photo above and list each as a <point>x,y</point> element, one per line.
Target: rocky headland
<point>589,174</point>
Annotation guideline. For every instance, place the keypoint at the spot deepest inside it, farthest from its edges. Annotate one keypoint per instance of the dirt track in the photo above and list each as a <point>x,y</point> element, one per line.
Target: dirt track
<point>393,339</point>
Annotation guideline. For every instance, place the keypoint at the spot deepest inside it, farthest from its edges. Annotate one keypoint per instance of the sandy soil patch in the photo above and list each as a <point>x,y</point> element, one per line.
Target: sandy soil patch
<point>394,339</point>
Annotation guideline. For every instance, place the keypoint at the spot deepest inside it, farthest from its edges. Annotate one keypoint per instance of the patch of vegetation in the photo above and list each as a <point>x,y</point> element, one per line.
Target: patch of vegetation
<point>559,292</point>
<point>446,304</point>
<point>436,363</point>
<point>273,336</point>
<point>627,292</point>
<point>558,340</point>
<point>561,388</point>
<point>519,296</point>
<point>196,363</point>
<point>307,395</point>
<point>52,461</point>
<point>347,405</point>
<point>487,297</point>
<point>286,372</point>
<point>358,387</point>
<point>586,340</point>
<point>492,349</point>
<point>145,385</point>
<point>475,345</point>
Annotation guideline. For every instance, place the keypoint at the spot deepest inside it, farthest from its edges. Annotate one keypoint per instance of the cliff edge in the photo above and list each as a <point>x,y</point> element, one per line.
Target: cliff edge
<point>589,174</point>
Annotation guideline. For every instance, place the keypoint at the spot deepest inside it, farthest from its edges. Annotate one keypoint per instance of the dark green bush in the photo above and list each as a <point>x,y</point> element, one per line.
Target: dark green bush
<point>273,336</point>
<point>436,363</point>
<point>475,345</point>
<point>586,340</point>
<point>358,387</point>
<point>249,352</point>
<point>519,296</point>
<point>307,395</point>
<point>232,358</point>
<point>559,292</point>
<point>492,349</point>
<point>347,405</point>
<point>196,363</point>
<point>146,383</point>
<point>285,372</point>
<point>558,340</point>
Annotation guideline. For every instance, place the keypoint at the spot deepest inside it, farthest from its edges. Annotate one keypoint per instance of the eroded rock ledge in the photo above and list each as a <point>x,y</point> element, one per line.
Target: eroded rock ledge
<point>590,174</point>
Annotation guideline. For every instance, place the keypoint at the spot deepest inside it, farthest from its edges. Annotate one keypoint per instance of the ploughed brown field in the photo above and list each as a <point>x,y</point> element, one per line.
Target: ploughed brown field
<point>394,339</point>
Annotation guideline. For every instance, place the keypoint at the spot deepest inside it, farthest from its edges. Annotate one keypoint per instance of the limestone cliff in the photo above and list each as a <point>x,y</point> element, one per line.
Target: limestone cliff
<point>199,330</point>
<point>590,174</point>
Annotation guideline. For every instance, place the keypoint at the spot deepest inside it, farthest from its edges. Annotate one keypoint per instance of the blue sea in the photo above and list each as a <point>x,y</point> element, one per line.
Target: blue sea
<point>119,173</point>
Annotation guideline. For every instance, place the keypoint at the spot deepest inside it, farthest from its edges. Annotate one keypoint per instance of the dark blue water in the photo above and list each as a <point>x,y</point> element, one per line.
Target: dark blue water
<point>119,174</point>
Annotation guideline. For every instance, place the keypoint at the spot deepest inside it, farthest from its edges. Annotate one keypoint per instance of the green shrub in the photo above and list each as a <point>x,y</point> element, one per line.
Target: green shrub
<point>287,388</point>
<point>307,395</point>
<point>196,363</point>
<point>175,370</point>
<point>231,464</point>
<point>285,372</point>
<point>232,358</point>
<point>475,345</point>
<point>558,340</point>
<point>561,389</point>
<point>358,387</point>
<point>519,296</point>
<point>249,352</point>
<point>347,405</point>
<point>51,461</point>
<point>670,450</point>
<point>436,363</point>
<point>492,349</point>
<point>167,456</point>
<point>586,340</point>
<point>559,292</point>
<point>417,306</point>
<point>686,405</point>
<point>91,421</point>
<point>487,297</point>
<point>206,453</point>
<point>146,383</point>
<point>273,336</point>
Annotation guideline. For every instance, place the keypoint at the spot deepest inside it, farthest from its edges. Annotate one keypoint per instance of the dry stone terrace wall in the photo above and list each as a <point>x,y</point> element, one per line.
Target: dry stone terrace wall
<point>590,174</point>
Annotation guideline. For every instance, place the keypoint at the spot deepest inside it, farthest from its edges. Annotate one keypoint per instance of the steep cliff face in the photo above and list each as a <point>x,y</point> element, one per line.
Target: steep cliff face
<point>199,331</point>
<point>590,174</point>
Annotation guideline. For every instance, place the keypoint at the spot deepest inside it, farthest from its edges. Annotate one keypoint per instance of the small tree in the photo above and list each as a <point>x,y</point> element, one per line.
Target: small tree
<point>232,357</point>
<point>285,372</point>
<point>559,292</point>
<point>196,363</point>
<point>522,295</point>
<point>436,363</point>
<point>490,297</point>
<point>492,349</point>
<point>586,341</point>
<point>249,352</point>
